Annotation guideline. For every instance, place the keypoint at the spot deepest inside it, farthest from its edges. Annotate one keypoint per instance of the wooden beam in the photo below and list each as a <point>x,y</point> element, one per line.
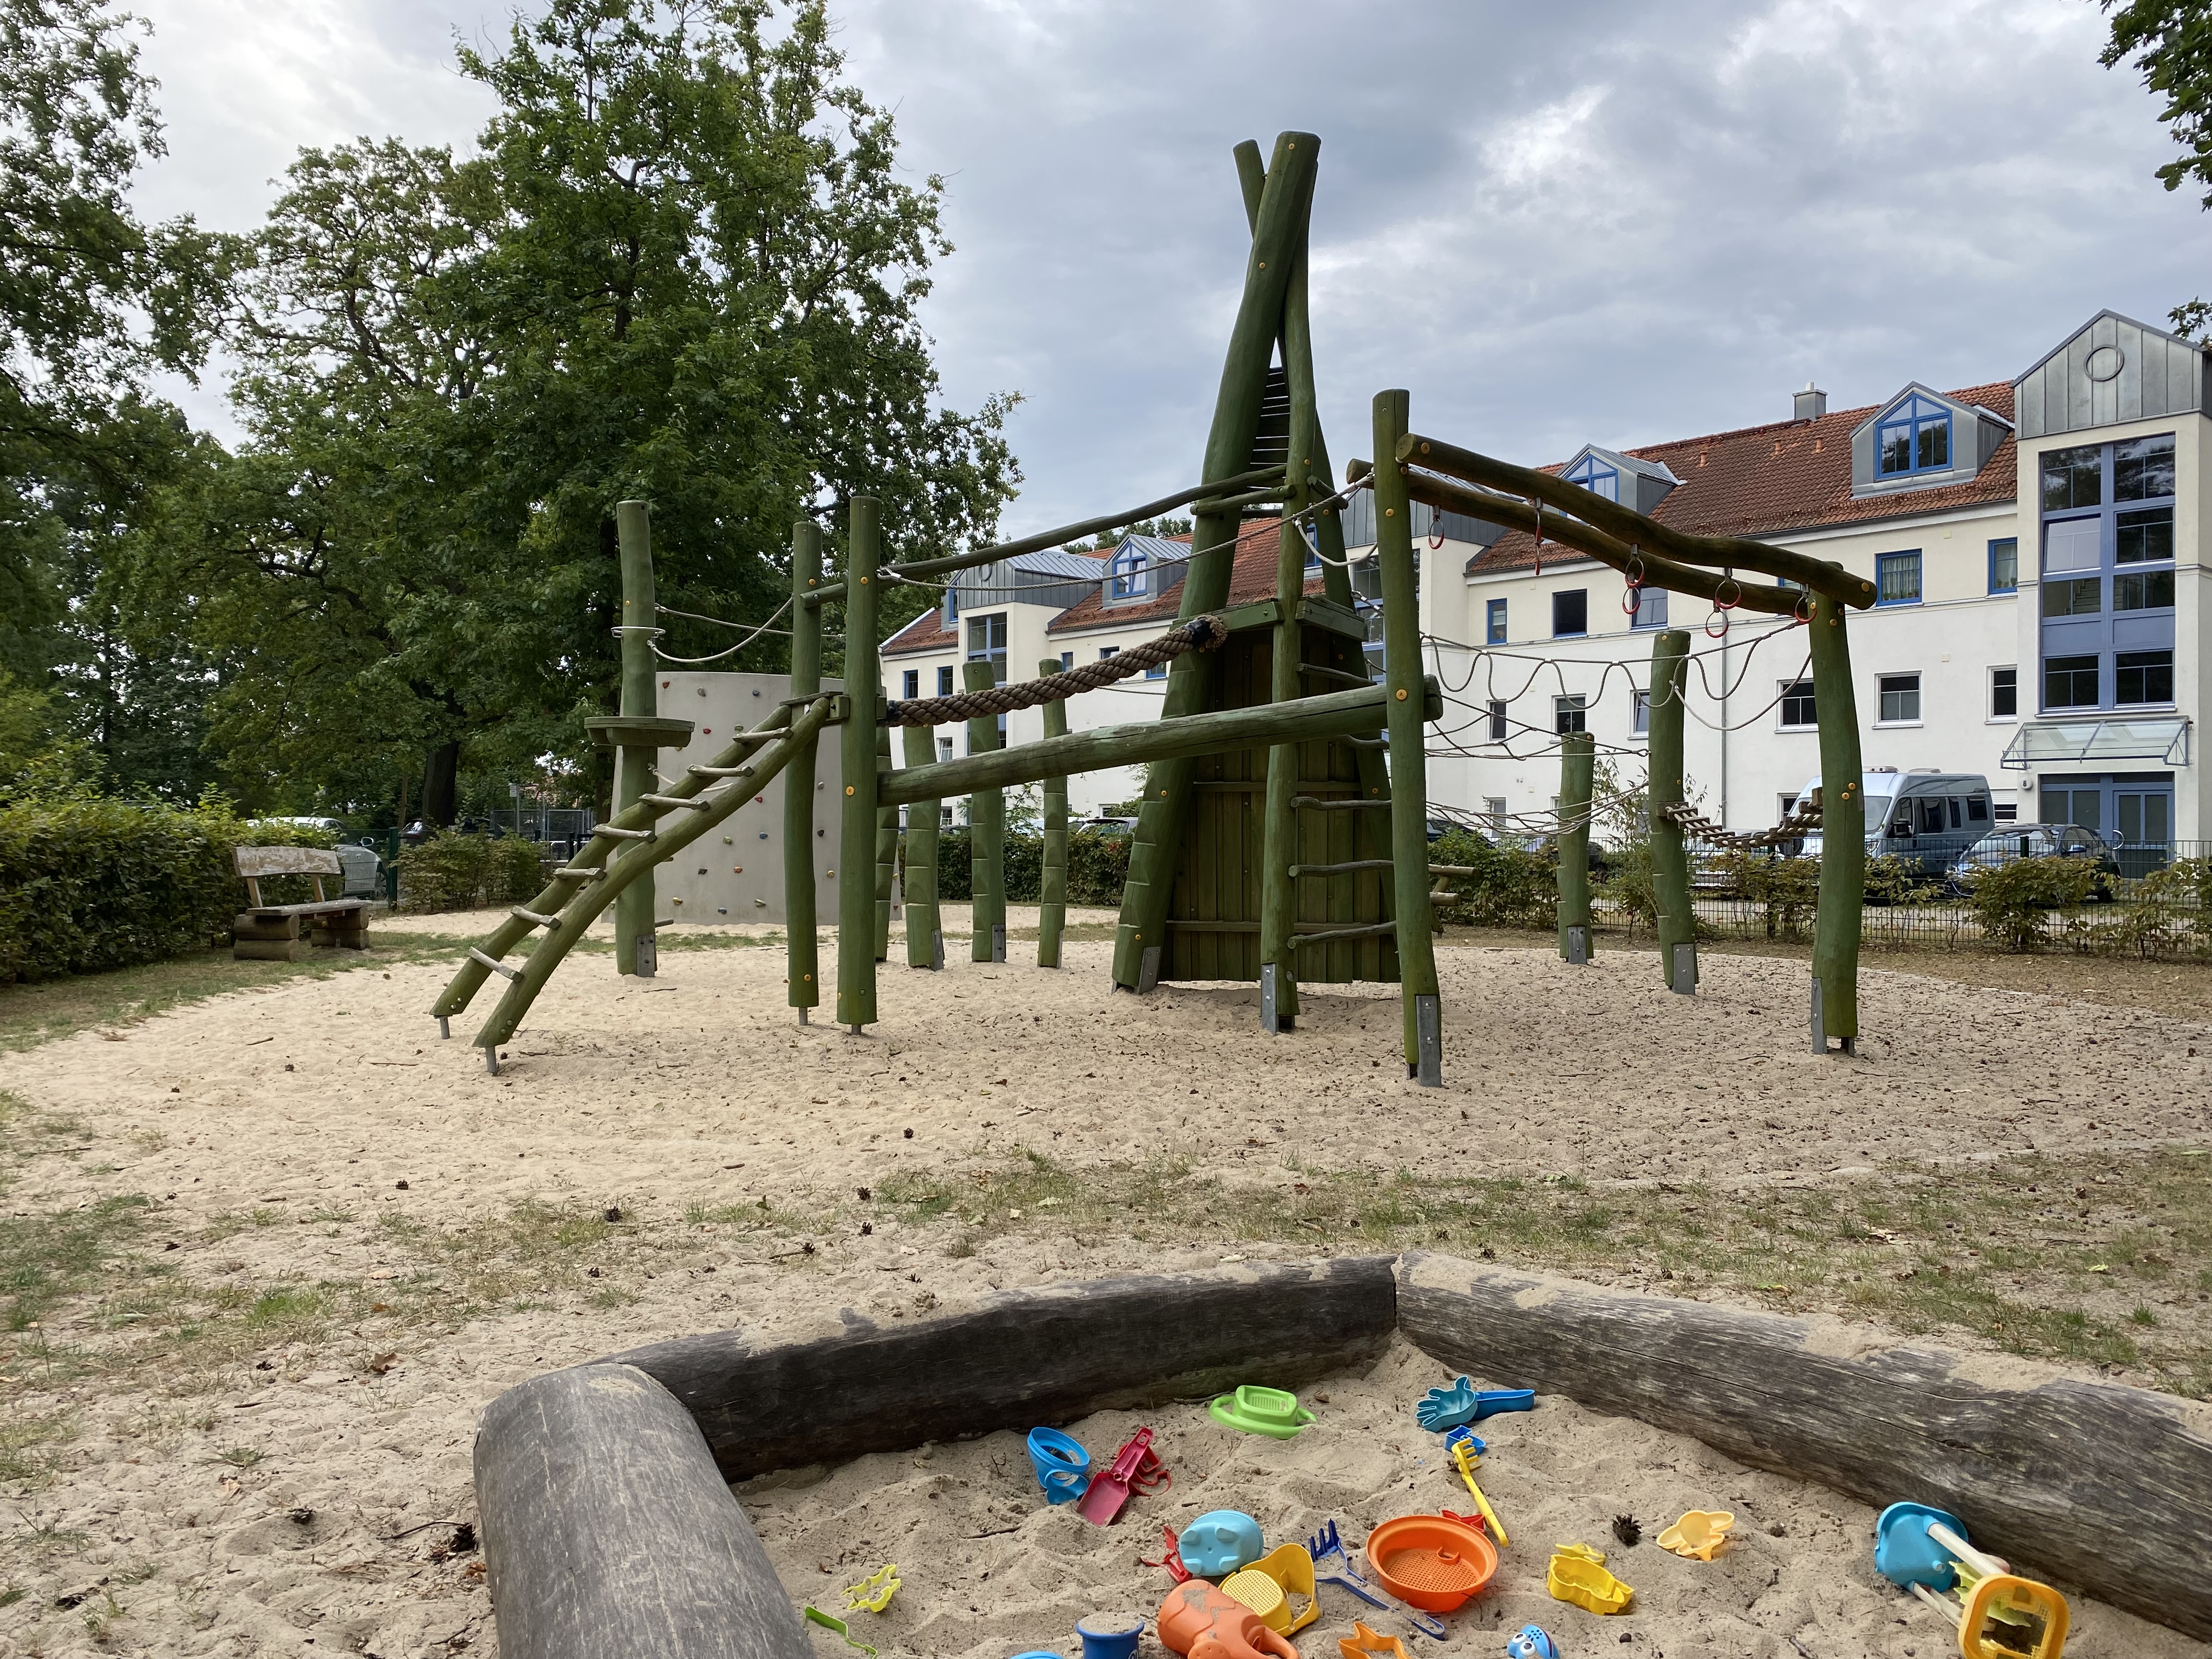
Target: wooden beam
<point>1840,913</point>
<point>1669,698</point>
<point>856,754</point>
<point>1310,719</point>
<point>925,925</point>
<point>1625,524</point>
<point>986,833</point>
<point>1052,886</point>
<point>2088,1483</point>
<point>802,946</point>
<point>1578,774</point>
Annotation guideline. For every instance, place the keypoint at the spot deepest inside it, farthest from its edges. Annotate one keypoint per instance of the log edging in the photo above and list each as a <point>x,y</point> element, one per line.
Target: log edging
<point>609,1525</point>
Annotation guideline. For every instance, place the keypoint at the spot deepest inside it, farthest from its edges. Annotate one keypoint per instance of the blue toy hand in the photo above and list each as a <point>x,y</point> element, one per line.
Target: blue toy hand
<point>1447,1408</point>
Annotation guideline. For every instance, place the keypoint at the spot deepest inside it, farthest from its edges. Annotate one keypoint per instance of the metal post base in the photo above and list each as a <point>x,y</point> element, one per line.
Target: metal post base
<point>939,951</point>
<point>1578,947</point>
<point>858,1030</point>
<point>647,957</point>
<point>1272,1020</point>
<point>802,1016</point>
<point>1428,1033</point>
<point>1684,979</point>
<point>997,943</point>
<point>1844,1045</point>
<point>444,1028</point>
<point>491,1059</point>
<point>1148,971</point>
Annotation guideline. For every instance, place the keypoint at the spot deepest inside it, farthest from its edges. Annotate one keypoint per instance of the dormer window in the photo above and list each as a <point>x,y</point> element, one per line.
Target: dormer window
<point>1594,475</point>
<point>1914,437</point>
<point>1129,579</point>
<point>951,603</point>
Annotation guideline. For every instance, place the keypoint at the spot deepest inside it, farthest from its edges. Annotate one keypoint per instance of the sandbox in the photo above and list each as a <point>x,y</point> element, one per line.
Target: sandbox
<point>610,1526</point>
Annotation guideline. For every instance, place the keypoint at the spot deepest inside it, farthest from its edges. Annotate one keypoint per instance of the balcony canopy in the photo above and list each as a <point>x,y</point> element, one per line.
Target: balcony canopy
<point>2084,742</point>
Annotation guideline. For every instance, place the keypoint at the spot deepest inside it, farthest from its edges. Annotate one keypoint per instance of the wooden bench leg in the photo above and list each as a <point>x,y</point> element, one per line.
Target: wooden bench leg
<point>266,938</point>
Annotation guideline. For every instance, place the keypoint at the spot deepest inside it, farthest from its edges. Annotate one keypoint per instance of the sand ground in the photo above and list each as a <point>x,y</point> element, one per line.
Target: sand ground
<point>304,1141</point>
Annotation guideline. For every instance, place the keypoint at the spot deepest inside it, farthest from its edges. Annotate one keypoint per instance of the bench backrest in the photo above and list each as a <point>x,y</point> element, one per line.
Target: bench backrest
<point>255,862</point>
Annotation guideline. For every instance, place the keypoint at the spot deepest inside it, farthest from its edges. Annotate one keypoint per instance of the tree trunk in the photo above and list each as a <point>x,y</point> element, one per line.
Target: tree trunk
<point>441,772</point>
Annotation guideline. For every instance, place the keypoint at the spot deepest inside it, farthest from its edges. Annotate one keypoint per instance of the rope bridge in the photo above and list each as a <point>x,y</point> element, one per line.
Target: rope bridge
<point>1694,823</point>
<point>1201,633</point>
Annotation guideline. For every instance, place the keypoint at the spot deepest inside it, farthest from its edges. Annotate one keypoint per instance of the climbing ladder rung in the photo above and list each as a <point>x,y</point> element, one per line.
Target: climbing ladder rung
<point>667,803</point>
<point>1338,674</point>
<point>1369,743</point>
<point>494,963</point>
<point>534,917</point>
<point>1337,805</point>
<point>1372,931</point>
<point>1451,869</point>
<point>577,872</point>
<point>1342,869</point>
<point>622,835</point>
<point>1443,898</point>
<point>718,772</point>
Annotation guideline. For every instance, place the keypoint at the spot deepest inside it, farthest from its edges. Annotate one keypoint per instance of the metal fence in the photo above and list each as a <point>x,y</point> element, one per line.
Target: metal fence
<point>2157,904</point>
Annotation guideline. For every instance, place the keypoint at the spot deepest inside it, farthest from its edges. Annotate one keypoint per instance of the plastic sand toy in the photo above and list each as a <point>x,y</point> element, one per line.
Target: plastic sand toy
<point>1255,1410</point>
<point>1432,1562</point>
<point>1577,1576</point>
<point>1110,1635</point>
<point>1136,1467</point>
<point>1999,1614</point>
<point>1218,1543</point>
<point>1280,1588</point>
<point>1465,1447</point>
<point>1364,1641</point>
<point>819,1617</point>
<point>1461,1402</point>
<point>1062,1465</point>
<point>873,1594</point>
<point>1531,1642</point>
<point>1333,1566</point>
<point>1202,1622</point>
<point>1697,1534</point>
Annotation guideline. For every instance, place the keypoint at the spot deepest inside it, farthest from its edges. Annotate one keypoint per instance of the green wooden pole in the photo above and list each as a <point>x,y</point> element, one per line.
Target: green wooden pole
<point>1141,940</point>
<point>1406,709</point>
<point>887,831</point>
<point>856,846</point>
<point>1578,775</point>
<point>1843,833</point>
<point>801,948</point>
<point>986,834</point>
<point>634,934</point>
<point>925,923</point>
<point>1670,857</point>
<point>1052,897</point>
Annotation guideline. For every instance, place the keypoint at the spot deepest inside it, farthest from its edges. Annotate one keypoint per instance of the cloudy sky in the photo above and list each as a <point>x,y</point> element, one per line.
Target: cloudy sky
<point>1555,224</point>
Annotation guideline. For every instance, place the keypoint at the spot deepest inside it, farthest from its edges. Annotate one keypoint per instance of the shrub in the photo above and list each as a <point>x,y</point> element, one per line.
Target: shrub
<point>88,884</point>
<point>1786,889</point>
<point>2013,900</point>
<point>1098,865</point>
<point>1510,887</point>
<point>2166,912</point>
<point>455,872</point>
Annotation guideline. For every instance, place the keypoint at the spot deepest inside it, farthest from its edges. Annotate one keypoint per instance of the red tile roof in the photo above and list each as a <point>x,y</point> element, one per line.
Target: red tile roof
<point>1767,481</point>
<point>1251,577</point>
<point>926,632</point>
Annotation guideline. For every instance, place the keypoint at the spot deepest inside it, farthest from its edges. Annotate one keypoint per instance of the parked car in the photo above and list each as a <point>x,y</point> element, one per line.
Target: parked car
<point>1925,817</point>
<point>358,866</point>
<point>2042,841</point>
<point>1113,829</point>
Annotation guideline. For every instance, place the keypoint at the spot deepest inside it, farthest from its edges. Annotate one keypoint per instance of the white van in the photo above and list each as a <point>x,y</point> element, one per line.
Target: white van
<point>1927,816</point>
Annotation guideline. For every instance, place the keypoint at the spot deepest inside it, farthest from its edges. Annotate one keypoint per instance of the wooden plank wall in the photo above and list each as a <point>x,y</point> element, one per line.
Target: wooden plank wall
<point>1213,927</point>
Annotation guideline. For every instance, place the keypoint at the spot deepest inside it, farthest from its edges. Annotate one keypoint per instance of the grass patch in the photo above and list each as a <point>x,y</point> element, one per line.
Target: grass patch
<point>2003,1251</point>
<point>32,1014</point>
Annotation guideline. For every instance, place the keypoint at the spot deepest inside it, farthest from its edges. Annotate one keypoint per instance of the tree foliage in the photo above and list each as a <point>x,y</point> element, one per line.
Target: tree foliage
<point>2170,41</point>
<point>682,268</point>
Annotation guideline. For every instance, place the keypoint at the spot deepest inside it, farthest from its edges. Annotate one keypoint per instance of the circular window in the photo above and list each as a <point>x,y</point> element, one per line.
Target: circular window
<point>2105,363</point>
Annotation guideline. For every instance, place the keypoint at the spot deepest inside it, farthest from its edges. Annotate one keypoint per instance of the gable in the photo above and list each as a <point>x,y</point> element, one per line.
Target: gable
<point>2113,369</point>
<point>1921,439</point>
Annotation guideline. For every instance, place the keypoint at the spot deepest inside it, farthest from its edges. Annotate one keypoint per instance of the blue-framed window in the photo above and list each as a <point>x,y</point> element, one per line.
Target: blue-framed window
<point>952,604</point>
<point>1067,660</point>
<point>1312,535</point>
<point>1650,608</point>
<point>1494,618</point>
<point>987,642</point>
<point>913,684</point>
<point>2106,574</point>
<point>2004,565</point>
<point>1158,670</point>
<point>945,682</point>
<point>1498,720</point>
<point>1594,475</point>
<point>1897,578</point>
<point>1129,579</point>
<point>1570,613</point>
<point>1914,437</point>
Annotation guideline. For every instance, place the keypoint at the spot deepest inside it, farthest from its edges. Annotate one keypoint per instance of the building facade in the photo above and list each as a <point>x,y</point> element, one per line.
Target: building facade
<point>2037,546</point>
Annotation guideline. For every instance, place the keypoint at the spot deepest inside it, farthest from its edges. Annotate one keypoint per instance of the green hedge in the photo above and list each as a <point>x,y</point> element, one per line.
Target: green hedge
<point>454,872</point>
<point>87,884</point>
<point>1098,865</point>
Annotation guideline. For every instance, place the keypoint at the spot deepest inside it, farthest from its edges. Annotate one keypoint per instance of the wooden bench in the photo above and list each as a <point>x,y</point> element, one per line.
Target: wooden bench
<point>270,933</point>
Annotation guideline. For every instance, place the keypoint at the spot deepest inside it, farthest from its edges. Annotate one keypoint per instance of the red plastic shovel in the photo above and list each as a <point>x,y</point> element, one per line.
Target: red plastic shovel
<point>1136,1467</point>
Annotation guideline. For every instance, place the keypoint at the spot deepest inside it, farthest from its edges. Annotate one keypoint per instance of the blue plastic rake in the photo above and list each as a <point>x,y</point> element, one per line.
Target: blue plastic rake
<point>1331,1565</point>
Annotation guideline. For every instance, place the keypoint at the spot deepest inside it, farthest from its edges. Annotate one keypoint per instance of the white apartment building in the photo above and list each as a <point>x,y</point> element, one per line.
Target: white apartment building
<point>2038,548</point>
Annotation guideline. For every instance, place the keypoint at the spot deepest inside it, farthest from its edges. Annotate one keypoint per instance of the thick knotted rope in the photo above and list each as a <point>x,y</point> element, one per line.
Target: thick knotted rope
<point>1199,634</point>
<point>1806,817</point>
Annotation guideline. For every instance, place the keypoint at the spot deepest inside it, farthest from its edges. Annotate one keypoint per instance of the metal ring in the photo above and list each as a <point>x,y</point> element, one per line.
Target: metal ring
<point>1720,603</point>
<point>1719,616</point>
<point>1803,611</point>
<point>1632,600</point>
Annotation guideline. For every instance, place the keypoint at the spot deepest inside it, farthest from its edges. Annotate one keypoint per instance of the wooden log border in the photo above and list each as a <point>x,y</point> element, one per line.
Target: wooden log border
<point>2092,1484</point>
<point>609,1525</point>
